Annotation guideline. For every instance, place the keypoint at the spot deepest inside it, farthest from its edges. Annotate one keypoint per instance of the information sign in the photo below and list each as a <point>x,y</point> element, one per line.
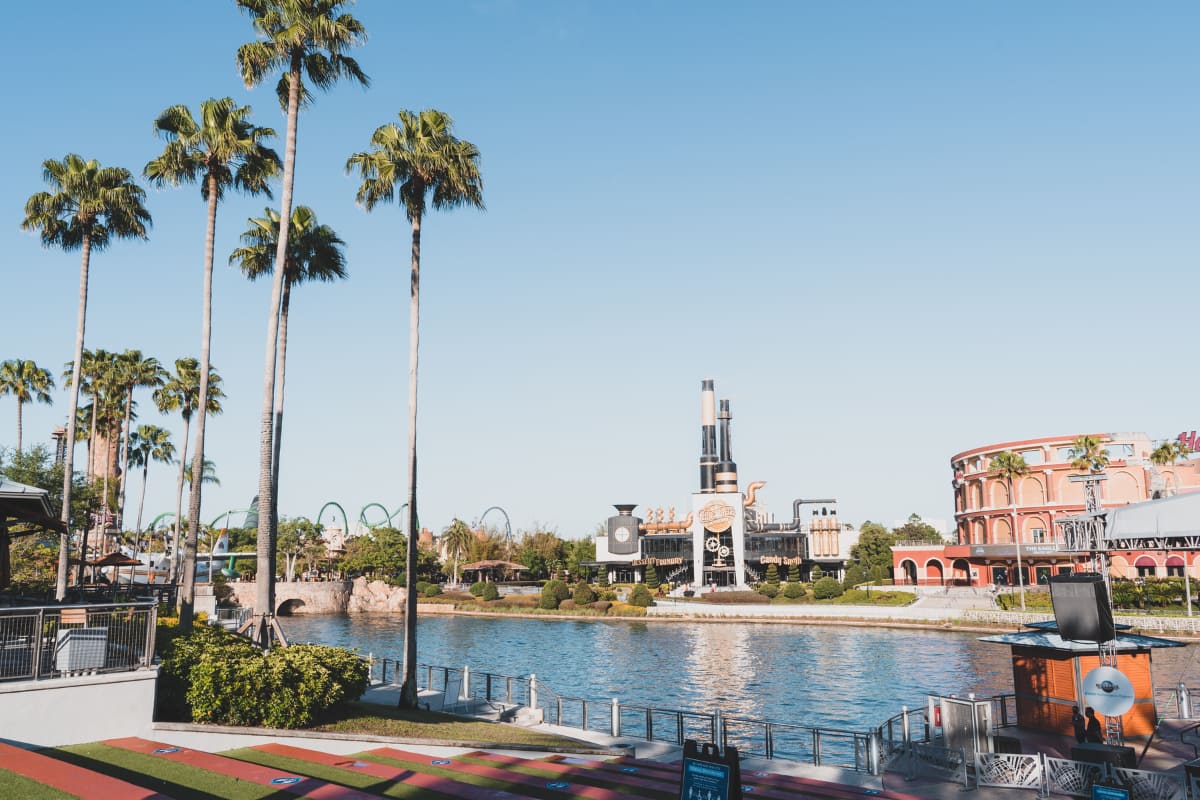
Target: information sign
<point>709,774</point>
<point>1101,792</point>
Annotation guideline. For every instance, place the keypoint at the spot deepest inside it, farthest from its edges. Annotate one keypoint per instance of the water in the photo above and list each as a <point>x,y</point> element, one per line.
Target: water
<point>821,676</point>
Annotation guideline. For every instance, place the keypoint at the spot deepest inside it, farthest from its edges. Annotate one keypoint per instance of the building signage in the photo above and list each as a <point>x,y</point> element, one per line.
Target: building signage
<point>780,560</point>
<point>717,516</point>
<point>658,562</point>
<point>1108,690</point>
<point>1190,439</point>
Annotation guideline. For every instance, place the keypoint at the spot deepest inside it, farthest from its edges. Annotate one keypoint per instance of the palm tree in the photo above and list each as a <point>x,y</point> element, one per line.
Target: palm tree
<point>25,381</point>
<point>457,539</point>
<point>1088,454</point>
<point>1009,465</point>
<point>208,476</point>
<point>149,443</point>
<point>417,159</point>
<point>303,39</point>
<point>223,150</point>
<point>133,371</point>
<point>314,253</point>
<point>91,205</point>
<point>181,392</point>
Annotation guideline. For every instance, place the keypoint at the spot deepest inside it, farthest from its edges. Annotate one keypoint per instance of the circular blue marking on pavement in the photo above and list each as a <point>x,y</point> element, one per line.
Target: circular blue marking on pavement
<point>440,762</point>
<point>557,785</point>
<point>747,789</point>
<point>761,774</point>
<point>284,781</point>
<point>629,769</point>
<point>167,750</point>
<point>871,791</point>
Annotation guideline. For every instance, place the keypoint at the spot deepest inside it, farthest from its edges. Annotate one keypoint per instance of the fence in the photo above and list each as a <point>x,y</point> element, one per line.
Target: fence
<point>42,642</point>
<point>1060,776</point>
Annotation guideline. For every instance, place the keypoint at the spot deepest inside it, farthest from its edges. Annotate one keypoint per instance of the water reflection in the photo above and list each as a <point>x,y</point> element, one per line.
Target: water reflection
<point>829,676</point>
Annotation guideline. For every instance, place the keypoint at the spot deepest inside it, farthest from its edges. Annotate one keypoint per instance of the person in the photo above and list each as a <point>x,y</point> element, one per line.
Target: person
<point>1079,724</point>
<point>1094,732</point>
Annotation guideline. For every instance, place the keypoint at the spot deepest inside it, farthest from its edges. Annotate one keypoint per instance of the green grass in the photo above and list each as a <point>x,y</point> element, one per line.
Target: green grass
<point>180,781</point>
<point>345,777</point>
<point>14,785</point>
<point>378,720</point>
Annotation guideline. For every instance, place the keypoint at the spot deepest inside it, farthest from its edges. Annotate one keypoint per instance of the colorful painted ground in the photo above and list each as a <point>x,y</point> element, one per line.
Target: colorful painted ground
<point>139,769</point>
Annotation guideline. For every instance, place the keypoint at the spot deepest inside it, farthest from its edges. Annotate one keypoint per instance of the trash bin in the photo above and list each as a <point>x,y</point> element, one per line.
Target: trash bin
<point>80,649</point>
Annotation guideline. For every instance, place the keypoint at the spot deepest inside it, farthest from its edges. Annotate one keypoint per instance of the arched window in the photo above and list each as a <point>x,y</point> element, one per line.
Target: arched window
<point>1147,567</point>
<point>1175,566</point>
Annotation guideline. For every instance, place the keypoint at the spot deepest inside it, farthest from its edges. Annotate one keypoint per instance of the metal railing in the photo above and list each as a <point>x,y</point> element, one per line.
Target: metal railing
<point>43,642</point>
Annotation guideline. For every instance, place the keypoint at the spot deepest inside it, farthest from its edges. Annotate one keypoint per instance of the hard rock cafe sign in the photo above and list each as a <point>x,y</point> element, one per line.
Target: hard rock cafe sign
<point>717,516</point>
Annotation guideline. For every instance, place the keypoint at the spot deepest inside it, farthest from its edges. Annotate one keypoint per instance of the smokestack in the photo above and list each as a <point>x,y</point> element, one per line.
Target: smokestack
<point>708,437</point>
<point>726,471</point>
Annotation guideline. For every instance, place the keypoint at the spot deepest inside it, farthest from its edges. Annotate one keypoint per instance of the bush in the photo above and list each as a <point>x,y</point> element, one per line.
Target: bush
<point>689,593</point>
<point>768,589</point>
<point>625,610</point>
<point>601,605</point>
<point>489,592</point>
<point>652,581</point>
<point>609,595</point>
<point>855,574</point>
<point>773,575</point>
<point>422,586</point>
<point>816,573</point>
<point>793,573</point>
<point>827,588</point>
<point>793,590</point>
<point>584,594</point>
<point>477,588</point>
<point>215,676</point>
<point>602,579</point>
<point>431,590</point>
<point>640,596</point>
<point>734,598</point>
<point>553,593</point>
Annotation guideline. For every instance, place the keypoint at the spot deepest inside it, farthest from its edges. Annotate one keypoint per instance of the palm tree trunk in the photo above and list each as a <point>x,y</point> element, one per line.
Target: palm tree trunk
<point>64,540</point>
<point>142,499</point>
<point>408,690</point>
<point>285,304</point>
<point>187,594</point>
<point>125,453</point>
<point>187,428</point>
<point>1017,538</point>
<point>264,599</point>
<point>19,425</point>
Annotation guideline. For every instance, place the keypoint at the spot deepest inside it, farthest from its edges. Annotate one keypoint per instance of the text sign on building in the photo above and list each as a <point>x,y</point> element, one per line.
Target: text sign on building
<point>717,516</point>
<point>1107,690</point>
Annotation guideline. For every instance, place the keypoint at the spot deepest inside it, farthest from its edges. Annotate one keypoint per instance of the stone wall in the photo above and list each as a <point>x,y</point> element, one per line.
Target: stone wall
<point>325,597</point>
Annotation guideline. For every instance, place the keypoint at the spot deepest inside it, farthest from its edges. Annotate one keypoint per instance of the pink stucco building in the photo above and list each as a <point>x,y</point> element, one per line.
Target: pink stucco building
<point>985,516</point>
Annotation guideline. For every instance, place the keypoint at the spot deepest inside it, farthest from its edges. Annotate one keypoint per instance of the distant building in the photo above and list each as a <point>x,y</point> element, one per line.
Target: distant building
<point>989,545</point>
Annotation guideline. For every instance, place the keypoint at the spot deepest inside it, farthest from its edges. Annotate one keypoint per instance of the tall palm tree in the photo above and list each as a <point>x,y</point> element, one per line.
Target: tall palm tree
<point>1088,454</point>
<point>223,150</point>
<point>133,371</point>
<point>27,382</point>
<point>149,443</point>
<point>181,392</point>
<point>89,207</point>
<point>1009,466</point>
<point>208,476</point>
<point>303,39</point>
<point>457,539</point>
<point>314,253</point>
<point>416,161</point>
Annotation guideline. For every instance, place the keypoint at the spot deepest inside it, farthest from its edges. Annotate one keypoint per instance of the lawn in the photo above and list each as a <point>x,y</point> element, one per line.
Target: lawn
<point>377,720</point>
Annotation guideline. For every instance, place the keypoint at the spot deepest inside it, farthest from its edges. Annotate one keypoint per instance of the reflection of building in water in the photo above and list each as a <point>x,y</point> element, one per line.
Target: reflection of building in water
<point>720,659</point>
<point>727,539</point>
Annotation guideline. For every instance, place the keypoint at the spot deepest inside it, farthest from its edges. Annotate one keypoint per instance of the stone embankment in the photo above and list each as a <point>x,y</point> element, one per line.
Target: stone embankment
<point>325,597</point>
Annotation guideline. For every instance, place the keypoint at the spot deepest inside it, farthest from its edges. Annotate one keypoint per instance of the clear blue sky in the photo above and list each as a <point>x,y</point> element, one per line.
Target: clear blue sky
<point>890,232</point>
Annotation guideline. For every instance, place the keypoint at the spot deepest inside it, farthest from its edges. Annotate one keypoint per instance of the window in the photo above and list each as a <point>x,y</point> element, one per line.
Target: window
<point>1145,572</point>
<point>1174,570</point>
<point>1119,452</point>
<point>1038,535</point>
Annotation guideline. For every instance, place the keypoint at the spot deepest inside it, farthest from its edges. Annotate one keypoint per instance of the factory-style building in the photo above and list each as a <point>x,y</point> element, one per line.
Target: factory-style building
<point>728,538</point>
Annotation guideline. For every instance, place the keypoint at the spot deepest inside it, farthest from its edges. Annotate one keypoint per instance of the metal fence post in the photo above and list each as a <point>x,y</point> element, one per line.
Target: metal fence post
<point>1185,701</point>
<point>905,725</point>
<point>533,698</point>
<point>616,718</point>
<point>649,726</point>
<point>558,706</point>
<point>466,687</point>
<point>874,765</point>
<point>1044,783</point>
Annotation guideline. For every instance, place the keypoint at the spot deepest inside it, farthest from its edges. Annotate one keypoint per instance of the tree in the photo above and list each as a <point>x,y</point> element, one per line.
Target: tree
<point>314,253</point>
<point>917,530</point>
<point>773,575</point>
<point>26,382</point>
<point>181,393</point>
<point>296,539</point>
<point>223,150</point>
<point>873,552</point>
<point>207,476</point>
<point>133,371</point>
<point>650,578</point>
<point>418,159</point>
<point>149,443</point>
<point>1009,466</point>
<point>90,206</point>
<point>1088,454</point>
<point>577,551</point>
<point>815,574</point>
<point>456,541</point>
<point>794,572</point>
<point>303,39</point>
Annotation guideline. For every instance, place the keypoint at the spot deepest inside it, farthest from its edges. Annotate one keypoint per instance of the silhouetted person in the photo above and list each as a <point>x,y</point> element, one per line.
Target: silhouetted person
<point>1094,732</point>
<point>1079,723</point>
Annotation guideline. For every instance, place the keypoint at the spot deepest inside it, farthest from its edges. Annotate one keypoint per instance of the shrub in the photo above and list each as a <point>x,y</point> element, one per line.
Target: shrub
<point>609,595</point>
<point>689,593</point>
<point>652,581</point>
<point>816,573</point>
<point>625,610</point>
<point>432,590</point>
<point>735,598</point>
<point>793,573</point>
<point>477,588</point>
<point>855,574</point>
<point>489,592</point>
<point>549,599</point>
<point>827,588</point>
<point>793,590</point>
<point>640,596</point>
<point>773,575</point>
<point>602,580</point>
<point>422,586</point>
<point>584,594</point>
<point>768,589</point>
<point>601,605</point>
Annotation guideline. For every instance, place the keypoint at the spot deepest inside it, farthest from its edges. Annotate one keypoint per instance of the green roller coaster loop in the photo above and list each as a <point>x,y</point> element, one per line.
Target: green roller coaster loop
<point>507,524</point>
<point>213,525</point>
<point>335,504</point>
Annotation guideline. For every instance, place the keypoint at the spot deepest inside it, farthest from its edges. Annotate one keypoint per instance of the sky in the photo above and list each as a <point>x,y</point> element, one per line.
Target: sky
<point>890,232</point>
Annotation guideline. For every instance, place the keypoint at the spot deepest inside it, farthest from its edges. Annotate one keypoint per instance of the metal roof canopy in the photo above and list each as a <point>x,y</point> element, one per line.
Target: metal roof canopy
<point>1169,523</point>
<point>28,504</point>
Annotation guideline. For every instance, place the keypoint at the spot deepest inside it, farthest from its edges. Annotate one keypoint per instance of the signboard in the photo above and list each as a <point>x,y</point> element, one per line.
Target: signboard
<point>1107,690</point>
<point>717,516</point>
<point>1100,792</point>
<point>709,774</point>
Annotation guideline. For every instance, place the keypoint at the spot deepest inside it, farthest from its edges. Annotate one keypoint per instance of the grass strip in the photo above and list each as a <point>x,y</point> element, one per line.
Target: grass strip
<point>180,781</point>
<point>576,773</point>
<point>343,777</point>
<point>515,787</point>
<point>14,785</point>
<point>377,720</point>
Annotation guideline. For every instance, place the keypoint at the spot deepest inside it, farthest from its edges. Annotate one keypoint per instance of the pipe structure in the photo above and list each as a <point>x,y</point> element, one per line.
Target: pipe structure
<point>673,526</point>
<point>754,526</point>
<point>708,437</point>
<point>726,471</point>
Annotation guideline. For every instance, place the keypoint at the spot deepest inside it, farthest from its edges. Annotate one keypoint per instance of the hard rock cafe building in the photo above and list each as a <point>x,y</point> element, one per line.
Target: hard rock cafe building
<point>1003,540</point>
<point>727,538</point>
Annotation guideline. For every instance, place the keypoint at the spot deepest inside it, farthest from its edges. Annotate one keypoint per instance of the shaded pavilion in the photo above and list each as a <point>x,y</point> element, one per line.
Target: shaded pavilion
<point>28,508</point>
<point>493,571</point>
